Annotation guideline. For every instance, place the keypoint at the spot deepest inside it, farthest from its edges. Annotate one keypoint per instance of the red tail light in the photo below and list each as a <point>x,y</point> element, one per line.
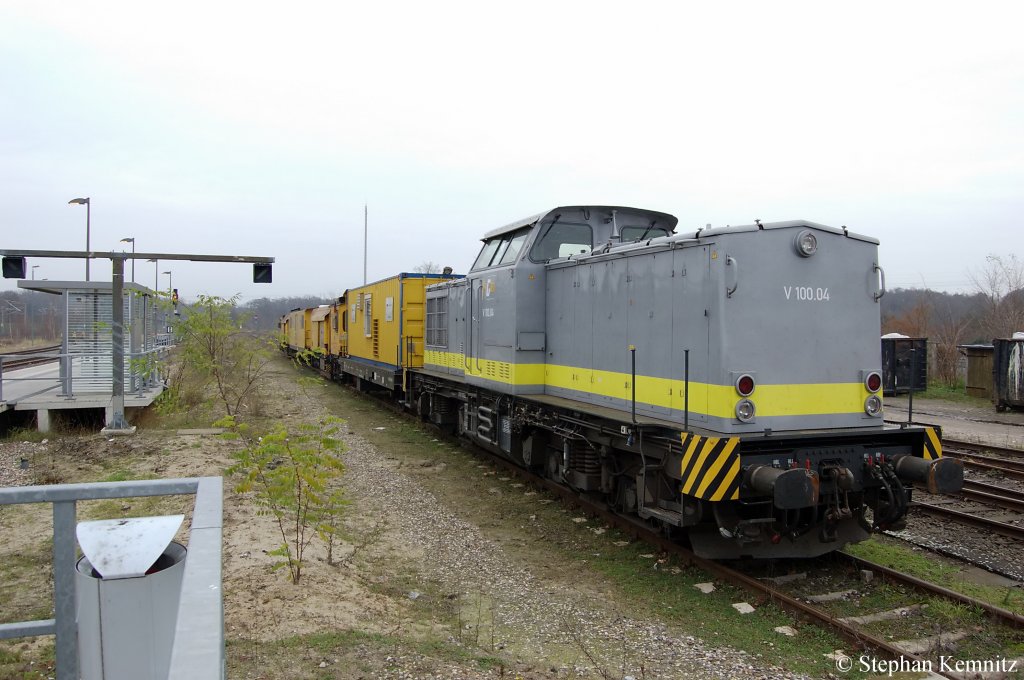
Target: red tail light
<point>873,382</point>
<point>745,385</point>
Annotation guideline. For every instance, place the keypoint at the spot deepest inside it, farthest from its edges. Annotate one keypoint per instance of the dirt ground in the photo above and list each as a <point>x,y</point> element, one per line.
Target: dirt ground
<point>445,568</point>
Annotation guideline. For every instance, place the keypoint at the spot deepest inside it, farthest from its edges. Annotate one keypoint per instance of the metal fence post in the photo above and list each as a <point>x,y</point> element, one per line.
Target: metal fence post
<point>64,589</point>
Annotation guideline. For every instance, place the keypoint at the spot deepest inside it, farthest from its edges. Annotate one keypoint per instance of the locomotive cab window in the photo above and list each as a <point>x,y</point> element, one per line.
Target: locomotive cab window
<point>563,239</point>
<point>642,233</point>
<point>502,249</point>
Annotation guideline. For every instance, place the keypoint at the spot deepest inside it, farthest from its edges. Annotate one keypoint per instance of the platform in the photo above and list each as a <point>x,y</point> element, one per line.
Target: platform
<point>39,388</point>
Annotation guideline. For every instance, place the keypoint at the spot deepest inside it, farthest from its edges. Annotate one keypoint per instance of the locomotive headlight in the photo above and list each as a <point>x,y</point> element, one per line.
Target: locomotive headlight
<point>806,243</point>
<point>873,406</point>
<point>745,410</point>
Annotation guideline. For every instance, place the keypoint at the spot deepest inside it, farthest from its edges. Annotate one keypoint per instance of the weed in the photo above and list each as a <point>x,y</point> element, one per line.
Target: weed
<point>292,474</point>
<point>26,434</point>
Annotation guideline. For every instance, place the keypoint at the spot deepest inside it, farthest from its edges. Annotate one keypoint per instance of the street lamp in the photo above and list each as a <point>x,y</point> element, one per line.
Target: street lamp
<point>131,239</point>
<point>156,273</point>
<point>88,208</point>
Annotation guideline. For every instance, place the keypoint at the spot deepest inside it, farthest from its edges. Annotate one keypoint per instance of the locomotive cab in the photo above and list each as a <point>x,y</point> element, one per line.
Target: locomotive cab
<point>506,339</point>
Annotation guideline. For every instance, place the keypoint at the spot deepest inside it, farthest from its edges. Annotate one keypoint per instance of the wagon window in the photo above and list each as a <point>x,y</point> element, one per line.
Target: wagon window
<point>367,315</point>
<point>563,239</point>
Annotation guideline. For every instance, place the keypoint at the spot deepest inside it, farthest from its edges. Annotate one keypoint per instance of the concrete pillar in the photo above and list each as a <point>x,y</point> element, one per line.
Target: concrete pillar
<point>43,420</point>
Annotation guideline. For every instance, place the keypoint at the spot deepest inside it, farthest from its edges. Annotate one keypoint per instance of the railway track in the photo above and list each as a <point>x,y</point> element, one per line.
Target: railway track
<point>848,628</point>
<point>971,519</point>
<point>1001,460</point>
<point>960,447</point>
<point>851,628</point>
<point>30,358</point>
<point>983,492</point>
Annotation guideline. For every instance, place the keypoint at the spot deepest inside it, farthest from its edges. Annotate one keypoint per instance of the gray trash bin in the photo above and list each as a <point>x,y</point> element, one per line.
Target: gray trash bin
<point>128,586</point>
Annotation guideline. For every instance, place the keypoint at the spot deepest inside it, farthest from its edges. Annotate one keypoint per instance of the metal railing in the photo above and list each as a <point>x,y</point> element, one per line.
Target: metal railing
<point>198,652</point>
<point>143,370</point>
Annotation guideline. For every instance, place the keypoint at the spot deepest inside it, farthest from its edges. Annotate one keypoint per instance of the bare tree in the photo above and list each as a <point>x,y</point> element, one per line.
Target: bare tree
<point>1001,285</point>
<point>947,331</point>
<point>914,322</point>
<point>428,267</point>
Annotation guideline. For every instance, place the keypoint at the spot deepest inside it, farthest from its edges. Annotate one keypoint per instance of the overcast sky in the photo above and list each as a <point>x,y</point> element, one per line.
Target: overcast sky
<point>263,128</point>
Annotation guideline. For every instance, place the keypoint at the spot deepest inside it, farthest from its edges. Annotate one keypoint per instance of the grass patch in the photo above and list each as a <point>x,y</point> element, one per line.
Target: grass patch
<point>25,587</point>
<point>142,506</point>
<point>955,393</point>
<point>925,566</point>
<point>299,657</point>
<point>27,660</point>
<point>26,434</point>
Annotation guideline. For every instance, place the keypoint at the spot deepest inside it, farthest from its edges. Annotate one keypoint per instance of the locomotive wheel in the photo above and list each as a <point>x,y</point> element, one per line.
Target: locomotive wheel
<point>423,406</point>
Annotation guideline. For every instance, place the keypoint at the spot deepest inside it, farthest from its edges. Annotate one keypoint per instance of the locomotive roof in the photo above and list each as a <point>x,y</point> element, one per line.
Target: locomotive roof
<point>669,220</point>
<point>703,233</point>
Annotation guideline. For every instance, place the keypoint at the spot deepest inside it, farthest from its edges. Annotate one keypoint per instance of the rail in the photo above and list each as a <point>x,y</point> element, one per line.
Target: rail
<point>198,652</point>
<point>142,371</point>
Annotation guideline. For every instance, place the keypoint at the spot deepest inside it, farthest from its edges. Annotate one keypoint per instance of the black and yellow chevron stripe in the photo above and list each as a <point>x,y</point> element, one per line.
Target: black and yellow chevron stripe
<point>932,444</point>
<point>711,467</point>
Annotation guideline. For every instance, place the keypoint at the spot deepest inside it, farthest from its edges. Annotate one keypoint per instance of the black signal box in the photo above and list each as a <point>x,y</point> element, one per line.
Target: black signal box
<point>14,267</point>
<point>262,273</point>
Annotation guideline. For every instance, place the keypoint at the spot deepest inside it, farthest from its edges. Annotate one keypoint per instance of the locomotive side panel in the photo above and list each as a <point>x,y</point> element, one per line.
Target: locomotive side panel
<point>691,328</point>
<point>653,302</point>
<point>560,285</point>
<point>446,337</point>
<point>803,327</point>
<point>610,330</point>
<point>503,332</point>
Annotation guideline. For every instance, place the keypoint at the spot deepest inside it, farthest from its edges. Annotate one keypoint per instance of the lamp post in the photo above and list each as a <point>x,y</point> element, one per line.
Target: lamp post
<point>30,320</point>
<point>156,273</point>
<point>88,209</point>
<point>131,239</point>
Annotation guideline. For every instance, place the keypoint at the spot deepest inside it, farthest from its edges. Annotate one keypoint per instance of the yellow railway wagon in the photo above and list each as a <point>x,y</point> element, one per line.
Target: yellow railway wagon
<point>297,329</point>
<point>321,329</point>
<point>338,343</point>
<point>385,324</point>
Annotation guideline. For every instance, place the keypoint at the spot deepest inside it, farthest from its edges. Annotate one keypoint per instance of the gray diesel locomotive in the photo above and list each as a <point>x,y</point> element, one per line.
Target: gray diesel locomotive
<point>725,383</point>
